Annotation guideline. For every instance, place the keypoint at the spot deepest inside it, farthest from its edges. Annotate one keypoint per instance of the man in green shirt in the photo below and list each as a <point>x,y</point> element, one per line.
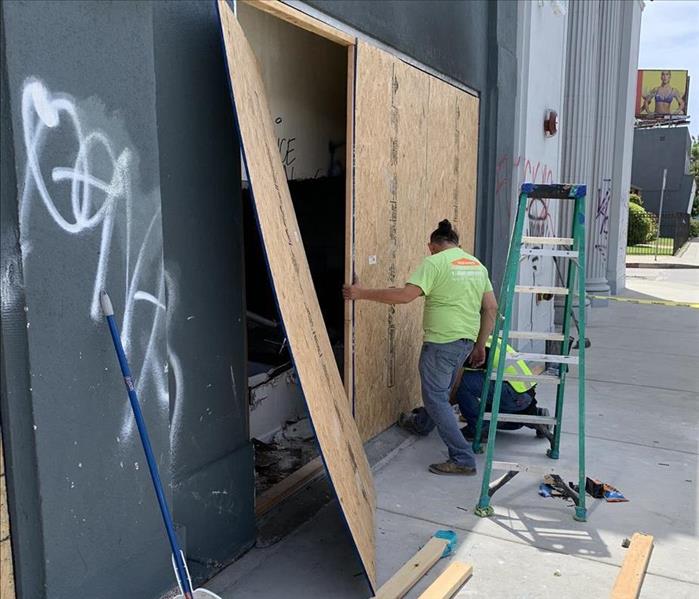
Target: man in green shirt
<point>458,317</point>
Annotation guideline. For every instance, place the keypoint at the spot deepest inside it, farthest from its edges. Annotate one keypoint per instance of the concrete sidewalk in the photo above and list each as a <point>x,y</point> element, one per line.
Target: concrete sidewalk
<point>642,423</point>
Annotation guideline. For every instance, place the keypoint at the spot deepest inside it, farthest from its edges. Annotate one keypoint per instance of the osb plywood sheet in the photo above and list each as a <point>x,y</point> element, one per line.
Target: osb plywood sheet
<point>416,141</point>
<point>7,579</point>
<point>320,380</point>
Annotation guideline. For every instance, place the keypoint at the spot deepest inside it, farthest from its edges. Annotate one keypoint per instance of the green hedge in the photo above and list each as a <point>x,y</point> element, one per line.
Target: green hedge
<point>694,227</point>
<point>642,227</point>
<point>635,199</point>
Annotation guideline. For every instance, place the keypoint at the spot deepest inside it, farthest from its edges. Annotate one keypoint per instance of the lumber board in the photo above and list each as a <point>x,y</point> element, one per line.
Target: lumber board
<point>415,142</point>
<point>633,570</point>
<point>7,579</point>
<point>348,358</point>
<point>413,570</point>
<point>302,20</point>
<point>336,430</point>
<point>287,487</point>
<point>449,581</point>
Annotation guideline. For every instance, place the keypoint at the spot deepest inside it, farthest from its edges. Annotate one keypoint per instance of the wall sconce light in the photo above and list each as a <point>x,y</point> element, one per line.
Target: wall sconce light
<point>550,123</point>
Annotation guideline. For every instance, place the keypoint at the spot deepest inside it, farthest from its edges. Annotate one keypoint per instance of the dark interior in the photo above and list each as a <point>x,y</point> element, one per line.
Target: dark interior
<point>320,211</point>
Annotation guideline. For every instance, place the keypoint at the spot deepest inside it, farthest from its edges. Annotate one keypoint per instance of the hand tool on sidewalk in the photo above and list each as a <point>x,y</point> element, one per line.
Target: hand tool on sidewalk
<point>183,579</point>
<point>573,249</point>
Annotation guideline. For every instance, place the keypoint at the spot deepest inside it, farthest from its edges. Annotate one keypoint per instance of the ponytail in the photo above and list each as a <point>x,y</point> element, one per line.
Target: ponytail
<point>444,233</point>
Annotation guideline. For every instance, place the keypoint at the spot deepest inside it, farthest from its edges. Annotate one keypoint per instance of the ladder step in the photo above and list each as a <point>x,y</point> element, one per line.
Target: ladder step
<point>510,466</point>
<point>539,378</point>
<point>548,252</point>
<point>551,290</point>
<point>536,335</point>
<point>548,240</point>
<point>522,418</point>
<point>555,358</point>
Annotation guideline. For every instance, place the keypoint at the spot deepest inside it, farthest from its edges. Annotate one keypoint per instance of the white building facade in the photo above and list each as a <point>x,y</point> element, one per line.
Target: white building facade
<point>577,59</point>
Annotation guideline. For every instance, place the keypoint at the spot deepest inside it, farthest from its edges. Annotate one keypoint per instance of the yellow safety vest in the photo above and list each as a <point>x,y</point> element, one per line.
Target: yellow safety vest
<point>518,367</point>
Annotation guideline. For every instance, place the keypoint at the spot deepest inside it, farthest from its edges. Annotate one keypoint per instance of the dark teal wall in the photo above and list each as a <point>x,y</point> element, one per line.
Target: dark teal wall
<point>132,98</point>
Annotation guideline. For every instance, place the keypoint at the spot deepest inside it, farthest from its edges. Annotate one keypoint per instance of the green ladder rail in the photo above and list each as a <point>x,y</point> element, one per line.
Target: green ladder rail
<point>544,246</point>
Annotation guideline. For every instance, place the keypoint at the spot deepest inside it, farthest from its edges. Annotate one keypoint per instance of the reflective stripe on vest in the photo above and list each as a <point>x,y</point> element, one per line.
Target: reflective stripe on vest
<point>518,367</point>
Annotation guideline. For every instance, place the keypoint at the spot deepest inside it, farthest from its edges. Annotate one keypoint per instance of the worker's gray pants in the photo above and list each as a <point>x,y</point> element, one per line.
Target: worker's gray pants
<point>439,363</point>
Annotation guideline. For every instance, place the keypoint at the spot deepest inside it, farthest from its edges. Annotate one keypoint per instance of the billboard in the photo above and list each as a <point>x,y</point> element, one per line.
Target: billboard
<point>661,93</point>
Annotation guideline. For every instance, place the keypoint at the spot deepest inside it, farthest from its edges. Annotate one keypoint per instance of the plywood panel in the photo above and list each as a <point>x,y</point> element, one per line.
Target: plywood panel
<point>7,579</point>
<point>467,172</point>
<point>415,164</point>
<point>319,377</point>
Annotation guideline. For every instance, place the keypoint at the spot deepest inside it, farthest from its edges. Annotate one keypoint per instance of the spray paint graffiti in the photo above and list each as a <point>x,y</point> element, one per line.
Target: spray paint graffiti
<point>287,149</point>
<point>539,223</point>
<point>601,223</point>
<point>539,219</point>
<point>95,194</point>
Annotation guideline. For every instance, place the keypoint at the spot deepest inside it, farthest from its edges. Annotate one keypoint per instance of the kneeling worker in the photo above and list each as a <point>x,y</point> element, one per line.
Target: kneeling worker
<point>517,397</point>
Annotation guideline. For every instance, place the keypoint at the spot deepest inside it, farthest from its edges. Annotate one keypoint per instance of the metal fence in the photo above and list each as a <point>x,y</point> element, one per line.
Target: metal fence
<point>674,233</point>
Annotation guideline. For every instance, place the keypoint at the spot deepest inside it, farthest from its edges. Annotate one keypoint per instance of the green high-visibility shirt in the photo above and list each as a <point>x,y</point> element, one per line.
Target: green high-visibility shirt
<point>453,283</point>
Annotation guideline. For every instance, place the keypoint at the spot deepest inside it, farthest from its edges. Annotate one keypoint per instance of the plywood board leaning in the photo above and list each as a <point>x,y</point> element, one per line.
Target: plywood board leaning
<point>336,431</point>
<point>449,581</point>
<point>416,140</point>
<point>413,570</point>
<point>633,570</point>
<point>7,579</point>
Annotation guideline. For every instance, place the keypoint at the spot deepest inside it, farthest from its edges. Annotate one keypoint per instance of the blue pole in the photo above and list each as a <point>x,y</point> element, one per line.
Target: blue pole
<point>108,312</point>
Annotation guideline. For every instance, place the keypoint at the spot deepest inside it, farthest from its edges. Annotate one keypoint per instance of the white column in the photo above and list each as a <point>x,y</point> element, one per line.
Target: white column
<point>629,38</point>
<point>580,99</point>
<point>580,105</point>
<point>602,189</point>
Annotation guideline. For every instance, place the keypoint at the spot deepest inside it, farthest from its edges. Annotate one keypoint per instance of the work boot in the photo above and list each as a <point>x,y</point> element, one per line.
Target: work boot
<point>546,427</point>
<point>451,468</point>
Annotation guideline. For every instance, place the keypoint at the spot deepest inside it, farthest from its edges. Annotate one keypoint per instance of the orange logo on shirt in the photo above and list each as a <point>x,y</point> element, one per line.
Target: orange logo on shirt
<point>465,262</point>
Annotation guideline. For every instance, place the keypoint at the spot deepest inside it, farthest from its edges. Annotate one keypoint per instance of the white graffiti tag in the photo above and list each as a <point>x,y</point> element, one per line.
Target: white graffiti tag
<point>83,201</point>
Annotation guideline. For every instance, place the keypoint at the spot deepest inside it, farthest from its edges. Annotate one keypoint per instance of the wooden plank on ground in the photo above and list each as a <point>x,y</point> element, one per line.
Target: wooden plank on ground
<point>302,20</point>
<point>416,148</point>
<point>336,430</point>
<point>449,581</point>
<point>633,570</point>
<point>287,487</point>
<point>413,570</point>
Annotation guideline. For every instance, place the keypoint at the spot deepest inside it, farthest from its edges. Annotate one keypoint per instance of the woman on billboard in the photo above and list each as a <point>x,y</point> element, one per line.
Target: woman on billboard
<point>663,96</point>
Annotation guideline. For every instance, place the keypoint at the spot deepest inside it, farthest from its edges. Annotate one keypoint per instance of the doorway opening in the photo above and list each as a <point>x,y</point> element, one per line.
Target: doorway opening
<point>306,82</point>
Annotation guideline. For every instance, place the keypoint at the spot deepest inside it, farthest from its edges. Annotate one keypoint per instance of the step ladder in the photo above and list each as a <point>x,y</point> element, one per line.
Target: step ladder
<point>570,248</point>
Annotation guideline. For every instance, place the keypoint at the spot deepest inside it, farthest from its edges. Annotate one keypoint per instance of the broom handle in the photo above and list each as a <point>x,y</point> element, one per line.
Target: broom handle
<point>108,311</point>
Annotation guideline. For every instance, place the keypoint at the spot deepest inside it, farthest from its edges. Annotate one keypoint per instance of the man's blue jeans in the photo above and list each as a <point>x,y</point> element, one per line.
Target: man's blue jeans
<point>468,398</point>
<point>439,363</point>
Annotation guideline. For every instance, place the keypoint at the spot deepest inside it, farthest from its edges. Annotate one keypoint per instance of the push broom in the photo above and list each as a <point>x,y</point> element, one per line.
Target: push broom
<point>183,579</point>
